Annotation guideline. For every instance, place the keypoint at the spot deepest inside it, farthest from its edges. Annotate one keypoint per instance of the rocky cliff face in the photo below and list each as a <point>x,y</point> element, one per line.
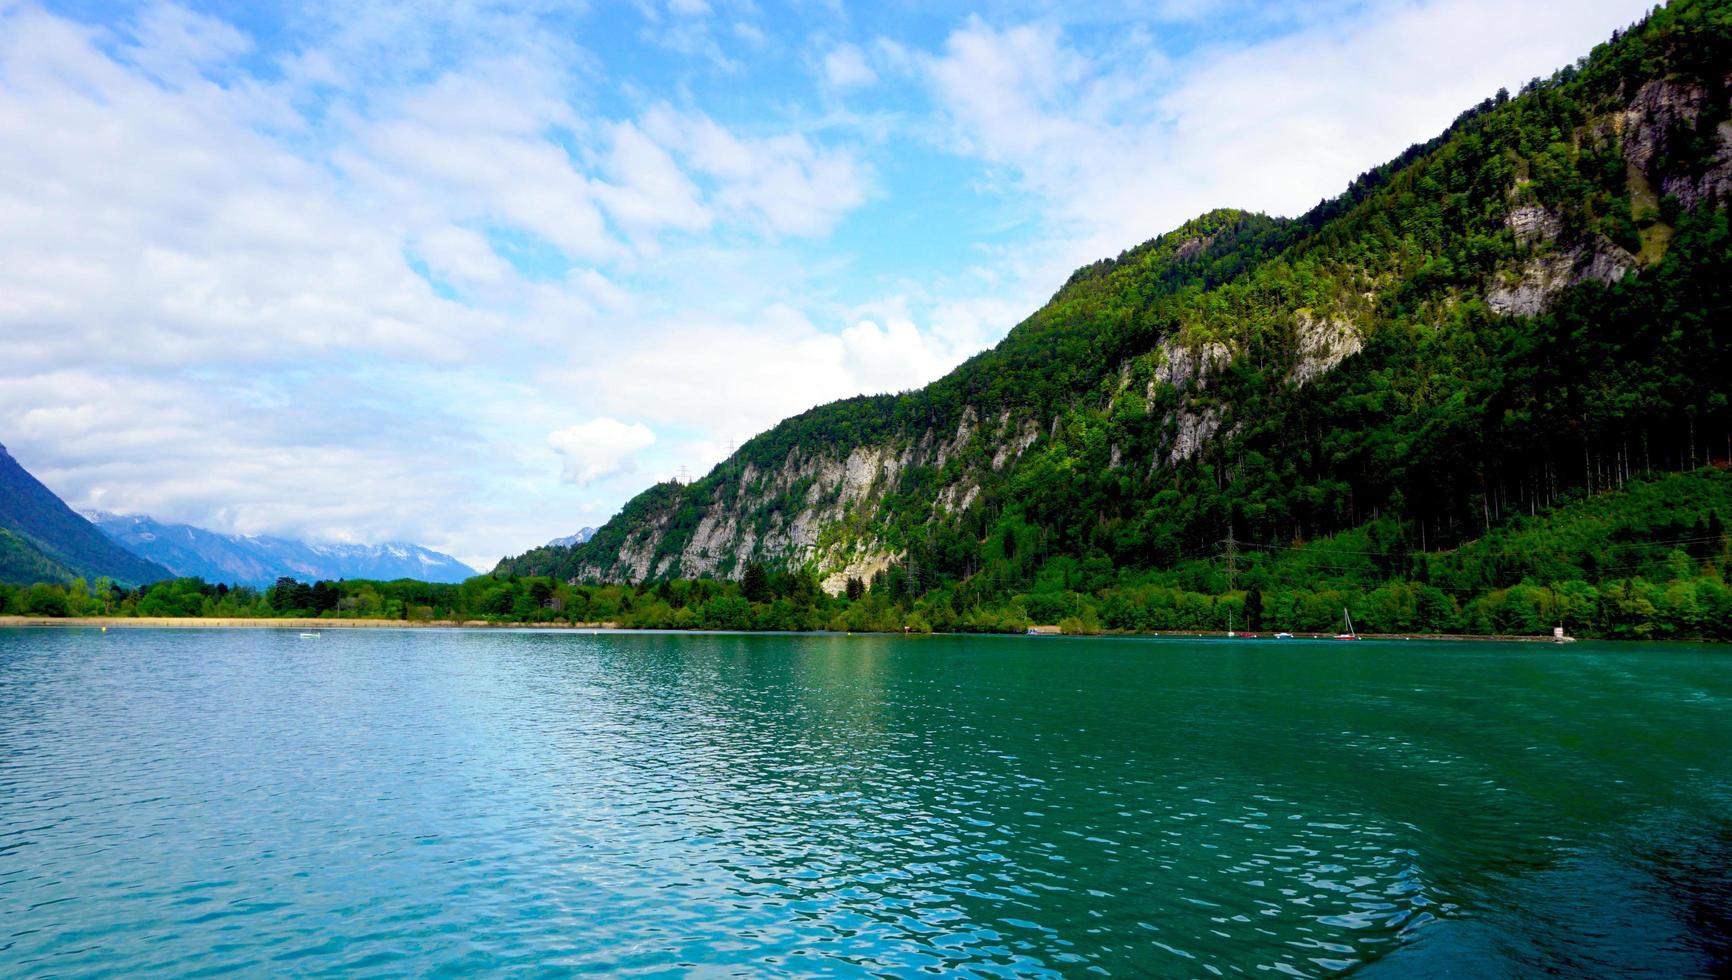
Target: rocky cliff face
<point>1528,288</point>
<point>1675,134</point>
<point>822,508</point>
<point>788,515</point>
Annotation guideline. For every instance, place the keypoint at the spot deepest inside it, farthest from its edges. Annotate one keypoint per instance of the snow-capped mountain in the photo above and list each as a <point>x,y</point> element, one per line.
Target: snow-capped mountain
<point>572,540</point>
<point>260,560</point>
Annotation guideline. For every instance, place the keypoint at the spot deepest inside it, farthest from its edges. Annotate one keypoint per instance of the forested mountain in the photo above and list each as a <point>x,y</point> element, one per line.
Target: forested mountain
<point>1529,308</point>
<point>43,540</point>
<point>259,560</point>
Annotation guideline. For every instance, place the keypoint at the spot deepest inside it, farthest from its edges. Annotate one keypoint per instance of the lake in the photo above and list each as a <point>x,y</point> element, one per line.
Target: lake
<point>396,802</point>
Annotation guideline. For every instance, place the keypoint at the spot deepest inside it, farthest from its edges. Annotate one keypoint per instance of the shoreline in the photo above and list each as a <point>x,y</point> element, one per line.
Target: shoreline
<point>220,622</point>
<point>226,622</point>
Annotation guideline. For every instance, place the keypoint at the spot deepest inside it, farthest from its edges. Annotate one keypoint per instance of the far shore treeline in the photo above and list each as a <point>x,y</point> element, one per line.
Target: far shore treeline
<point>1645,562</point>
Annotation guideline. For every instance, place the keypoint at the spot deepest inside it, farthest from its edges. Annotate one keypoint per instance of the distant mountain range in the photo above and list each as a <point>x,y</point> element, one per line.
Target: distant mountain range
<point>43,540</point>
<point>260,560</point>
<point>572,539</point>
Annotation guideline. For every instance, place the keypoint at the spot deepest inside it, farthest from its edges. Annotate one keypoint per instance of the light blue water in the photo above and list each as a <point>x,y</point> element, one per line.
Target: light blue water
<point>383,803</point>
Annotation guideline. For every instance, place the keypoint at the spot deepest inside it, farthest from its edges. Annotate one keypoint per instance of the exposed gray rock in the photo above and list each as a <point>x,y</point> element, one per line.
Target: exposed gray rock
<point>1661,110</point>
<point>753,529</point>
<point>1016,446</point>
<point>964,433</point>
<point>1527,291</point>
<point>1534,225</point>
<point>957,496</point>
<point>1195,429</point>
<point>1181,365</point>
<point>1322,344</point>
<point>862,567</point>
<point>1190,248</point>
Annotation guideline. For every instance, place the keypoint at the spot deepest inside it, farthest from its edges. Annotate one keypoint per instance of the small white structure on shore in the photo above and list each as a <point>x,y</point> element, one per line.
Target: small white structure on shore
<point>1559,637</point>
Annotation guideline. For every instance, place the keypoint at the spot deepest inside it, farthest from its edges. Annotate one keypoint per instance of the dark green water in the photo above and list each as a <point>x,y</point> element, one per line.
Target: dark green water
<point>388,803</point>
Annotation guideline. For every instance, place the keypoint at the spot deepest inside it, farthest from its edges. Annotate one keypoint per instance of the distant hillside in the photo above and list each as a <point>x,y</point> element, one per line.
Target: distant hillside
<point>1531,304</point>
<point>43,540</point>
<point>238,560</point>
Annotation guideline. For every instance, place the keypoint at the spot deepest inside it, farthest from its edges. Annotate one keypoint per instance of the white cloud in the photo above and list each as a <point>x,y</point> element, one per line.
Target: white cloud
<point>462,256</point>
<point>845,67</point>
<point>600,448</point>
<point>649,193</point>
<point>892,357</point>
<point>785,184</point>
<point>157,222</point>
<point>686,30</point>
<point>751,34</point>
<point>1006,88</point>
<point>174,43</point>
<point>717,379</point>
<point>480,157</point>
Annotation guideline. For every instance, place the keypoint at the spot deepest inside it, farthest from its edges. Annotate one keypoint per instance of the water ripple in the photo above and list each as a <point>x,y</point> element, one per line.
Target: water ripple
<point>384,803</point>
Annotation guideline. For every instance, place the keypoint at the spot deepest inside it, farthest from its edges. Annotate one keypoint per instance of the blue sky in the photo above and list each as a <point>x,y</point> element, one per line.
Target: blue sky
<point>472,274</point>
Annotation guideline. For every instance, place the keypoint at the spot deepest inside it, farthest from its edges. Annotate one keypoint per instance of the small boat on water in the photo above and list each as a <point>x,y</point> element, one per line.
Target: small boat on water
<point>1283,636</point>
<point>1350,634</point>
<point>310,636</point>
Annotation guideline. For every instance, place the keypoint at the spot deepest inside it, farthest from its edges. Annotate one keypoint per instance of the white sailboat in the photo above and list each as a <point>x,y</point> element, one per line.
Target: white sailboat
<point>1350,634</point>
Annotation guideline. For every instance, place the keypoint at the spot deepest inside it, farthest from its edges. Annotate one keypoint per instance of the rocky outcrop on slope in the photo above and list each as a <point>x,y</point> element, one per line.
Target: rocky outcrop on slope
<point>787,516</point>
<point>1665,131</point>
<point>1527,289</point>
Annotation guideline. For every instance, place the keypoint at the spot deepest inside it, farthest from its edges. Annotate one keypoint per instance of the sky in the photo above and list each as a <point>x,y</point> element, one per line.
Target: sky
<point>472,274</point>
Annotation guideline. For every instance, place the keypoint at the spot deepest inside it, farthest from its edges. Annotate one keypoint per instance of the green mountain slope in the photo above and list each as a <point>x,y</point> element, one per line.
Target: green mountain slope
<point>43,540</point>
<point>1526,306</point>
<point>22,562</point>
<point>1643,560</point>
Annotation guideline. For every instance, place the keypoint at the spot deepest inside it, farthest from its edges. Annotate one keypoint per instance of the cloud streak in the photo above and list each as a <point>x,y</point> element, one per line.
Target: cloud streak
<point>600,448</point>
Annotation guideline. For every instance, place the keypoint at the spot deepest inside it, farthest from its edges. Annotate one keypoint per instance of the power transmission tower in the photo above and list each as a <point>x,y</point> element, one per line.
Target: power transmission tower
<point>1232,546</point>
<point>685,476</point>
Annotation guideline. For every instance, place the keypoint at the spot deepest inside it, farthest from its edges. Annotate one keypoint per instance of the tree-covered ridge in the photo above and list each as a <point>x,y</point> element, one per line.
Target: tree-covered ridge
<point>20,561</point>
<point>1450,341</point>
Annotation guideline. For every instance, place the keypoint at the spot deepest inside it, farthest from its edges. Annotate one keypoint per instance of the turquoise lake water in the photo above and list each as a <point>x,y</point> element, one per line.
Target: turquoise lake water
<point>388,803</point>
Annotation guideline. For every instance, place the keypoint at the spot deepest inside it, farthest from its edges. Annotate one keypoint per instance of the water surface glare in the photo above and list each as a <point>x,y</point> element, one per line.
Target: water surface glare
<point>394,802</point>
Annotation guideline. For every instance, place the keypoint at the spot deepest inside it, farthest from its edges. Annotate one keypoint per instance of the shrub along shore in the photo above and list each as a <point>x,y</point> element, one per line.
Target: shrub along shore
<point>229,622</point>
